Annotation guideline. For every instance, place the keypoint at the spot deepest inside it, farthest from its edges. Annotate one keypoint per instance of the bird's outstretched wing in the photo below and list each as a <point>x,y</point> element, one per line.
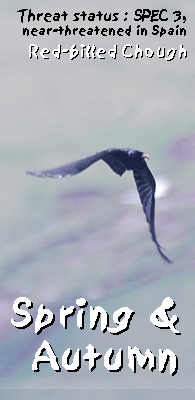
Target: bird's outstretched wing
<point>146,186</point>
<point>72,168</point>
<point>113,157</point>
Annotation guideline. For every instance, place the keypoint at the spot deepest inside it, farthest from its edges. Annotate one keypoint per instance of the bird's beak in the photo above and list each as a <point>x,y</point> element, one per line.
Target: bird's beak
<point>146,156</point>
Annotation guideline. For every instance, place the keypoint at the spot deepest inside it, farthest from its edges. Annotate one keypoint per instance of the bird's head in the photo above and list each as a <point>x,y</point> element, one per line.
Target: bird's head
<point>138,155</point>
<point>144,155</point>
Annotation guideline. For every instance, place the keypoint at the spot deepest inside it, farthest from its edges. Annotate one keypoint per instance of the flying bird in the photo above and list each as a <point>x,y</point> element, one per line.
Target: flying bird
<point>120,161</point>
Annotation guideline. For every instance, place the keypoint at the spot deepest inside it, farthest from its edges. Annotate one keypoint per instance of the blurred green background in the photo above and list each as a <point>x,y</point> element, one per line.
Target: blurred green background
<point>87,236</point>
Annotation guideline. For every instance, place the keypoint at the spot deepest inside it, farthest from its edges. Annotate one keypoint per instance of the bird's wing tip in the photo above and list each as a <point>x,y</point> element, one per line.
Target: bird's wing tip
<point>31,173</point>
<point>46,174</point>
<point>165,258</point>
<point>39,174</point>
<point>169,261</point>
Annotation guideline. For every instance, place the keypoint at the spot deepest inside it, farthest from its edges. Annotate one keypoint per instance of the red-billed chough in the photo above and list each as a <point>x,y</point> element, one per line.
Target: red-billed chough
<point>120,161</point>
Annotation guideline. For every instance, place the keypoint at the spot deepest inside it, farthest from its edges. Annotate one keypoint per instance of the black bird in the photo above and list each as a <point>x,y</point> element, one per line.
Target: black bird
<point>120,161</point>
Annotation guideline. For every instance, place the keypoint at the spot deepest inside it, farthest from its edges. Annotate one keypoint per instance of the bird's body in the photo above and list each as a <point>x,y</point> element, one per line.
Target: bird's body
<point>120,161</point>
